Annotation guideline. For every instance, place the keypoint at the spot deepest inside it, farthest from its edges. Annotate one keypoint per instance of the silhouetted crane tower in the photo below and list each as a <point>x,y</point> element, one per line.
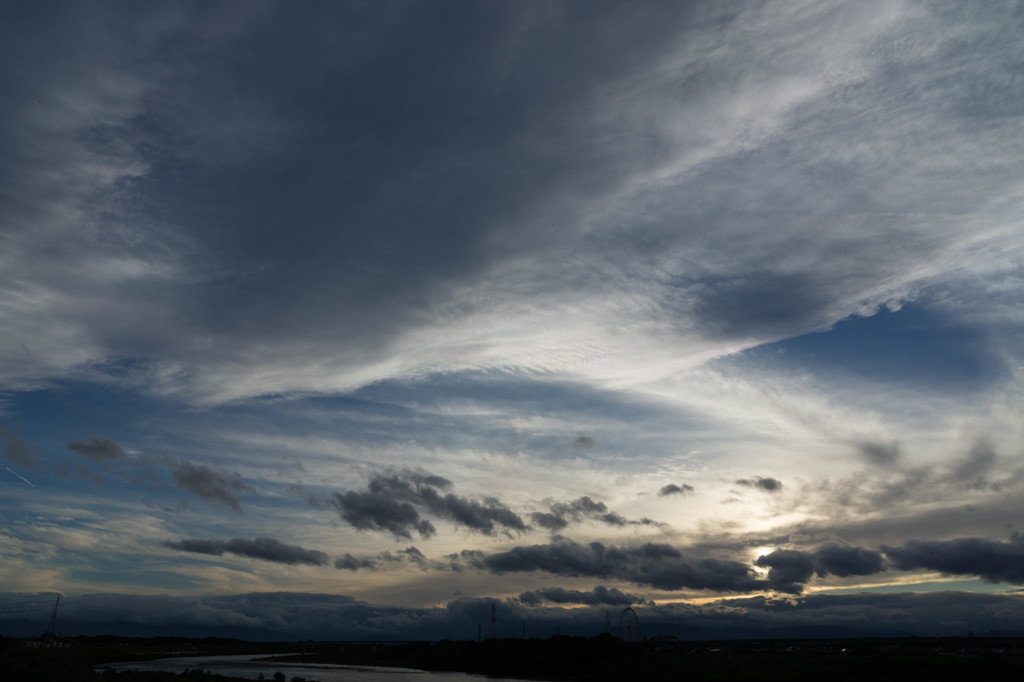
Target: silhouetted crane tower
<point>494,622</point>
<point>50,636</point>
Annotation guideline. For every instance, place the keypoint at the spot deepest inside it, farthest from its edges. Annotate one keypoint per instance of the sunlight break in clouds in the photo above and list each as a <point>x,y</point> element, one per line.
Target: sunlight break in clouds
<point>697,307</point>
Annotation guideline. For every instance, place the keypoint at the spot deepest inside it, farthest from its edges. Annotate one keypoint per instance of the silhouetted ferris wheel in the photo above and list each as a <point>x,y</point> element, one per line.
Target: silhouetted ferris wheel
<point>629,625</point>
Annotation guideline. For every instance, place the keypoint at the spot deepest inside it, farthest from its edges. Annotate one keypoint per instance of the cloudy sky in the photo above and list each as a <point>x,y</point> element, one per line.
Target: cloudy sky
<point>407,308</point>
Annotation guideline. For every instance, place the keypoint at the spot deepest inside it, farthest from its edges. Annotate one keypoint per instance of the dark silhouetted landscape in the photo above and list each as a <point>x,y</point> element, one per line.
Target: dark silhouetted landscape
<point>558,658</point>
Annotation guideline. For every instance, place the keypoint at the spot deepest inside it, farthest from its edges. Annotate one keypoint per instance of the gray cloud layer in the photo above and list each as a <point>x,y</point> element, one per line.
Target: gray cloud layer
<point>212,486</point>
<point>768,485</point>
<point>600,595</point>
<point>295,616</point>
<point>20,452</point>
<point>410,556</point>
<point>657,565</point>
<point>98,449</point>
<point>392,503</point>
<point>265,549</point>
<point>514,200</point>
<point>575,183</point>
<point>990,560</point>
<point>789,570</point>
<point>562,514</point>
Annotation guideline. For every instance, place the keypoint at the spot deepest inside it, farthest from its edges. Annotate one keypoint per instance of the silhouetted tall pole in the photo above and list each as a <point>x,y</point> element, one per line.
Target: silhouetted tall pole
<point>50,635</point>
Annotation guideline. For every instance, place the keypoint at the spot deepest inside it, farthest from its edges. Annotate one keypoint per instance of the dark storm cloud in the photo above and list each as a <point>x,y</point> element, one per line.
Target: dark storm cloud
<point>616,519</point>
<point>364,151</point>
<point>348,562</point>
<point>879,454</point>
<point>657,565</point>
<point>788,570</point>
<point>265,549</point>
<point>423,140</point>
<point>549,521</point>
<point>757,305</point>
<point>410,556</point>
<point>19,452</point>
<point>676,489</point>
<point>768,485</point>
<point>584,442</point>
<point>392,503</point>
<point>98,449</point>
<point>466,557</point>
<point>990,560</point>
<point>562,514</point>
<point>844,561</point>
<point>212,486</point>
<point>379,511</point>
<point>600,595</point>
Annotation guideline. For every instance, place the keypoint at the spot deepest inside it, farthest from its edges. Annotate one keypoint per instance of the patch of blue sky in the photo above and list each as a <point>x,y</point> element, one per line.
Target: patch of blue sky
<point>521,393</point>
<point>125,574</point>
<point>498,411</point>
<point>73,411</point>
<point>491,403</point>
<point>914,345</point>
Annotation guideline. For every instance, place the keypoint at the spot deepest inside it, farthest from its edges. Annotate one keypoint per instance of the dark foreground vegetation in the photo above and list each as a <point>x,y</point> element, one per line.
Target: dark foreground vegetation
<point>76,659</point>
<point>608,658</point>
<point>558,658</point>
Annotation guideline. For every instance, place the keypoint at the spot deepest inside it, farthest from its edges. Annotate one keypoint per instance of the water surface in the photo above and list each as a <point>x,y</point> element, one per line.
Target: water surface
<point>247,666</point>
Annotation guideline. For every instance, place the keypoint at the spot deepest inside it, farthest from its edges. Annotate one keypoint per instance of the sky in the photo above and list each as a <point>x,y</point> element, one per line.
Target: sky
<point>353,319</point>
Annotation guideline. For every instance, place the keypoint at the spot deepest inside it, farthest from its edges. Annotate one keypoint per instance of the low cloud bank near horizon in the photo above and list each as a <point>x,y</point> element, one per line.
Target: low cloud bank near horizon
<point>293,616</point>
<point>600,595</point>
<point>673,568</point>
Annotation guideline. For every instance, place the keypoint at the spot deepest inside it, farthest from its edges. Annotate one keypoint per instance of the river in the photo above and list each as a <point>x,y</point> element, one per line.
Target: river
<point>248,667</point>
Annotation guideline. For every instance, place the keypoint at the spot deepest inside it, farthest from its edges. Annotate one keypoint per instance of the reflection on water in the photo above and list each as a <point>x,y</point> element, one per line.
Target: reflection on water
<point>247,666</point>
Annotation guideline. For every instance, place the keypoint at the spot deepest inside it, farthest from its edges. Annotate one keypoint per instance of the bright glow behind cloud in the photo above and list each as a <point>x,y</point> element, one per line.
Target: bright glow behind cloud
<point>284,289</point>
